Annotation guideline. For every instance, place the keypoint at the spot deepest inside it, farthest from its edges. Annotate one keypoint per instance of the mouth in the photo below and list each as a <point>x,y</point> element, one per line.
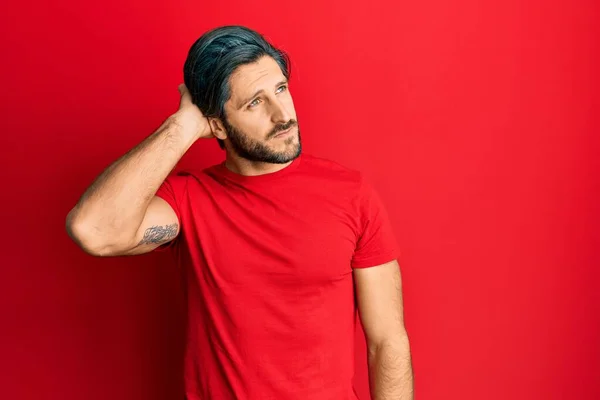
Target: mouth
<point>284,133</point>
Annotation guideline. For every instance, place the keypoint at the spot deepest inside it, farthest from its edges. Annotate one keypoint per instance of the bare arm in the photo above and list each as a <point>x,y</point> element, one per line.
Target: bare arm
<point>119,213</point>
<point>379,295</point>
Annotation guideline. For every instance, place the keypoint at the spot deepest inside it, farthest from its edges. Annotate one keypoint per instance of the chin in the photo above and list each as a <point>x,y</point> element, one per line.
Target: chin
<point>285,156</point>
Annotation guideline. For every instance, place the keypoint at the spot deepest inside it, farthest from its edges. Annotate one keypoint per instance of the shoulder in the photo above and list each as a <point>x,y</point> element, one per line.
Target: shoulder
<point>345,179</point>
<point>331,169</point>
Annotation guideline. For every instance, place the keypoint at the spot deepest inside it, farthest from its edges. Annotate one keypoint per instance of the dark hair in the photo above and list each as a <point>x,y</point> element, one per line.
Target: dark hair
<point>215,56</point>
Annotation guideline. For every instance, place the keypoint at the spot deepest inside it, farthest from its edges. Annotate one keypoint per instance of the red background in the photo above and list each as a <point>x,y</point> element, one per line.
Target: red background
<point>476,121</point>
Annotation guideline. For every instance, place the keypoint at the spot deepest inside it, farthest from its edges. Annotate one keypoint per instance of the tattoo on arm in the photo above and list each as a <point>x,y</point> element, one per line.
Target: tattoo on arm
<point>159,234</point>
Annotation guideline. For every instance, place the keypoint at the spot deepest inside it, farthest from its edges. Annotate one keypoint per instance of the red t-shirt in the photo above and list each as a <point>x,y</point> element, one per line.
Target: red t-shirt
<point>268,264</point>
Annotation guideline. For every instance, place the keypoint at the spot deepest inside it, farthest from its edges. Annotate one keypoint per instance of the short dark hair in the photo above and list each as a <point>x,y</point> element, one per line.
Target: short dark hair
<point>215,56</point>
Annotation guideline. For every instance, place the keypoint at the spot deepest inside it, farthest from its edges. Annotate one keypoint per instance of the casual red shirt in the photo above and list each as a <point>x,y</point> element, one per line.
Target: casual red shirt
<point>268,264</point>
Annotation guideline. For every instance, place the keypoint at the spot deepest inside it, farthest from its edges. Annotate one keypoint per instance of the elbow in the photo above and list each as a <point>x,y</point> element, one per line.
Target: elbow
<point>86,237</point>
<point>398,347</point>
<point>398,340</point>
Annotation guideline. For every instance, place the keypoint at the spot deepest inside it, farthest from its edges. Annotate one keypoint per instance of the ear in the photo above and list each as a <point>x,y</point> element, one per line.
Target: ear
<point>217,128</point>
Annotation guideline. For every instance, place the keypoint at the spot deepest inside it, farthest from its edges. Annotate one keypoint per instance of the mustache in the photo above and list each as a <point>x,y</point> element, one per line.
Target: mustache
<point>283,127</point>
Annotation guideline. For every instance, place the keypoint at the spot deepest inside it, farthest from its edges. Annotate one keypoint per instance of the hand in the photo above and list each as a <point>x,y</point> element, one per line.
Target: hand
<point>190,118</point>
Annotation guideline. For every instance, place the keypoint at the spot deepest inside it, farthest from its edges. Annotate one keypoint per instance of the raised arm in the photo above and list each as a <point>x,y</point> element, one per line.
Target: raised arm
<point>119,213</point>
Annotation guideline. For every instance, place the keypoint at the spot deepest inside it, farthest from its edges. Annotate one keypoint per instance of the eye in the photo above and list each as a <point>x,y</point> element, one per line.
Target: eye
<point>254,103</point>
<point>281,88</point>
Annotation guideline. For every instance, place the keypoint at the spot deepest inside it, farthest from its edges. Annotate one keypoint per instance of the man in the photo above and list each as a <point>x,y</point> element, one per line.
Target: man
<point>279,249</point>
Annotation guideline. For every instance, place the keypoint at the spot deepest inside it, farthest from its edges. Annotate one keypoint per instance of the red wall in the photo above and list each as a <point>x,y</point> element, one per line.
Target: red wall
<point>477,121</point>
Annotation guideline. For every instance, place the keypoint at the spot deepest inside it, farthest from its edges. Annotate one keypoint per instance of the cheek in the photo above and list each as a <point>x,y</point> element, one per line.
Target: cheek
<point>256,127</point>
<point>289,102</point>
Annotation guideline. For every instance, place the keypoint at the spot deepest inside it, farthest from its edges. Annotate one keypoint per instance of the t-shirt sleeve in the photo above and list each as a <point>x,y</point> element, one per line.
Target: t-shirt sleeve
<point>172,190</point>
<point>376,242</point>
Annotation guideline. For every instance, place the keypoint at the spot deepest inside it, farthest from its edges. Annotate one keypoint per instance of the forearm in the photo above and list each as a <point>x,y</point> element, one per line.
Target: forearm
<point>115,203</point>
<point>390,371</point>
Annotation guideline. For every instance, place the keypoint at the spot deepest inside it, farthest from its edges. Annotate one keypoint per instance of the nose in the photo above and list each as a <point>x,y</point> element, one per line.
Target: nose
<point>280,113</point>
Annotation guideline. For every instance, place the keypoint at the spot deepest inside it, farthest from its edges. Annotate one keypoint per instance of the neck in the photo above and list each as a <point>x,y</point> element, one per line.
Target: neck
<point>246,167</point>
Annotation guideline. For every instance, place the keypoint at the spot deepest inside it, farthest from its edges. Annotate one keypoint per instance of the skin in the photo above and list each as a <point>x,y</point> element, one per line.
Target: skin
<point>257,118</point>
<point>380,306</point>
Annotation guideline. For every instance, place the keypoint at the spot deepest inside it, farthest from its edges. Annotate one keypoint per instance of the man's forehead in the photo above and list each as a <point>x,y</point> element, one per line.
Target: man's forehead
<point>249,78</point>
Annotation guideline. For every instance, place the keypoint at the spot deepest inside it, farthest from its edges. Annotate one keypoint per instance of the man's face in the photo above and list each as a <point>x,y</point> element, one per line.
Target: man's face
<point>261,120</point>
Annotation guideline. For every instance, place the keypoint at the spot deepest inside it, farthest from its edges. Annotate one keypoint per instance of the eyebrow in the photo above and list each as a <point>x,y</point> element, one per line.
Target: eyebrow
<point>241,104</point>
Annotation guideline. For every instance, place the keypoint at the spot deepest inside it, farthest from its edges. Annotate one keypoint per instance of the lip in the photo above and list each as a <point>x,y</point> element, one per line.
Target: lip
<point>284,133</point>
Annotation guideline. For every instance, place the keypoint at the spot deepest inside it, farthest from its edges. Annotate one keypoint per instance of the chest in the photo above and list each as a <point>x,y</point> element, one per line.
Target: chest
<point>281,238</point>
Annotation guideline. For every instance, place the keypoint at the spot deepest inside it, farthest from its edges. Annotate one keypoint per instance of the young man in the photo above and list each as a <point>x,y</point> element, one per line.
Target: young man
<point>279,249</point>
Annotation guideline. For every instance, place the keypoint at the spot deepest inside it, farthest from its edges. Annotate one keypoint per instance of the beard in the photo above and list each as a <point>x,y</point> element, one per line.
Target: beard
<point>254,150</point>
